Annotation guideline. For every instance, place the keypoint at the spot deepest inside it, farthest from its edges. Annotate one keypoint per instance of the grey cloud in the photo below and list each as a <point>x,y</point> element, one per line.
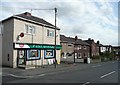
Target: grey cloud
<point>78,30</point>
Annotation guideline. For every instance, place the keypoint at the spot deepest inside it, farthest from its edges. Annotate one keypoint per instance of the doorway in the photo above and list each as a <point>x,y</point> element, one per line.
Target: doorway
<point>21,58</point>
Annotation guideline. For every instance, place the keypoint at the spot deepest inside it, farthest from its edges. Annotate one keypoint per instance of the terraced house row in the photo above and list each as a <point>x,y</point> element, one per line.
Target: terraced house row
<point>26,40</point>
<point>81,49</point>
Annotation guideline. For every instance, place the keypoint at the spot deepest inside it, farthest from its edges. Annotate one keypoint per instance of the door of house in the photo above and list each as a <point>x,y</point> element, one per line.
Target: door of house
<point>21,58</point>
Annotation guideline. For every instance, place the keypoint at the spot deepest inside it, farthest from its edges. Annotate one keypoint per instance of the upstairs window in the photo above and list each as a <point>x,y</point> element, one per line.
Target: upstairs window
<point>85,47</point>
<point>29,29</point>
<point>69,45</point>
<point>50,33</point>
<point>79,47</point>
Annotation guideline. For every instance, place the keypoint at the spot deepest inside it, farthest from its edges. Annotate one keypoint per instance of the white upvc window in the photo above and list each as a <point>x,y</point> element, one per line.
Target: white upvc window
<point>29,29</point>
<point>50,33</point>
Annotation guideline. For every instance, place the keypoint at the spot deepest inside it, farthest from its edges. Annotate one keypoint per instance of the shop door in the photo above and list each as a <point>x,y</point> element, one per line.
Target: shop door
<point>21,58</point>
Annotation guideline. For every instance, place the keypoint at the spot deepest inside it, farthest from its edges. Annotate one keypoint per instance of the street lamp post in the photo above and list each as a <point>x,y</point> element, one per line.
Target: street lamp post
<point>75,47</point>
<point>55,38</point>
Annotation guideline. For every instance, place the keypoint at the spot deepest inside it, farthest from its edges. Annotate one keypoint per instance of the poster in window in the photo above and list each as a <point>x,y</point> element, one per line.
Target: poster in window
<point>33,54</point>
<point>49,54</point>
<point>21,57</point>
<point>21,53</point>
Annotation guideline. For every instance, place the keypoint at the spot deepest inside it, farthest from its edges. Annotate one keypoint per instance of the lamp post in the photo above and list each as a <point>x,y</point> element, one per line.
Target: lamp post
<point>55,38</point>
<point>75,47</point>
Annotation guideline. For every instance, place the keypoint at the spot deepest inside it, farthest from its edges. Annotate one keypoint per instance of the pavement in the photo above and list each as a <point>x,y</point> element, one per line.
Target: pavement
<point>39,71</point>
<point>27,73</point>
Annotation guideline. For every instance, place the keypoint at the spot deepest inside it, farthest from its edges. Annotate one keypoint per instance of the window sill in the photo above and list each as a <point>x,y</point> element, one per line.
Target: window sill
<point>30,34</point>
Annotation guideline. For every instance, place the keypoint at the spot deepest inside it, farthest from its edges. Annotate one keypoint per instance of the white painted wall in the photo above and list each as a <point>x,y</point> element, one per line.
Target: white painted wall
<point>40,37</point>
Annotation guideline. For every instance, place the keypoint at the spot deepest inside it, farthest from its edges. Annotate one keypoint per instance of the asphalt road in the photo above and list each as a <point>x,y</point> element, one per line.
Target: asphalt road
<point>105,72</point>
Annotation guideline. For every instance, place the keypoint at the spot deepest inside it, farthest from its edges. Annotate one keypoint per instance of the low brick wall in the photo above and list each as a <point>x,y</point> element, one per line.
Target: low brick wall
<point>95,60</point>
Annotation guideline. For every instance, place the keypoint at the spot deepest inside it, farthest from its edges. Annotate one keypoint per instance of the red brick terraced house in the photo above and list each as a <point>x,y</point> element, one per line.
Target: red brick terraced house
<point>71,48</point>
<point>94,47</point>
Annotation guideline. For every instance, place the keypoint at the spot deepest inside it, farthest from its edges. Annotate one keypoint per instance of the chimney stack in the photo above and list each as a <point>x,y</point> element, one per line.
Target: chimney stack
<point>98,42</point>
<point>89,38</point>
<point>27,14</point>
<point>93,40</point>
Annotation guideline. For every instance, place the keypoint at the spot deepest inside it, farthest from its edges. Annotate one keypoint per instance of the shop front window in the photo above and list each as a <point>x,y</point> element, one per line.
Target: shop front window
<point>49,54</point>
<point>33,54</point>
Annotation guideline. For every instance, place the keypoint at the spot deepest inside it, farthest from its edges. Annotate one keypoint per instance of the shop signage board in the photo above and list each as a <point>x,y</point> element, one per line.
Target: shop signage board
<point>36,46</point>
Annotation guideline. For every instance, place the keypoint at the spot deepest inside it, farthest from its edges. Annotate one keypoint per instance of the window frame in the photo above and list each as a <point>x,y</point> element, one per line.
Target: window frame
<point>35,57</point>
<point>79,56</point>
<point>50,33</point>
<point>30,27</point>
<point>49,57</point>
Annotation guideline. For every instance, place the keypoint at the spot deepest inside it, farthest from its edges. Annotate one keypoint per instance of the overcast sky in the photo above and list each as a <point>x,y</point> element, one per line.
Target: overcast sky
<point>96,19</point>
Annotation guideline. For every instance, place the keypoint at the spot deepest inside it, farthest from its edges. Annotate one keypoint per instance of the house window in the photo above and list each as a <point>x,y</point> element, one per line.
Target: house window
<point>80,47</point>
<point>85,47</point>
<point>29,29</point>
<point>50,33</point>
<point>79,55</point>
<point>69,45</point>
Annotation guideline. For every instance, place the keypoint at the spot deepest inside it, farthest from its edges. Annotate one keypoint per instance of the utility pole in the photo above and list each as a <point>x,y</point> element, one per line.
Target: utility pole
<point>55,38</point>
<point>75,47</point>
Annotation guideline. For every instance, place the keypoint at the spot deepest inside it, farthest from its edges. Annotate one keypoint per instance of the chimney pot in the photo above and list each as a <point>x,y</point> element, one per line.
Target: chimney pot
<point>27,14</point>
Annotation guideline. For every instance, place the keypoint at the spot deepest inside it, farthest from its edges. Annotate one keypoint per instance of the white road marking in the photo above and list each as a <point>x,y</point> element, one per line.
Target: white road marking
<point>17,76</point>
<point>86,83</point>
<point>107,74</point>
<point>42,75</point>
<point>20,76</point>
<point>96,66</point>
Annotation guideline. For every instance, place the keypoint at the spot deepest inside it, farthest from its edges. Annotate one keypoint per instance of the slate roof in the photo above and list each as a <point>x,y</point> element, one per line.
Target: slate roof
<point>72,40</point>
<point>32,18</point>
<point>88,41</point>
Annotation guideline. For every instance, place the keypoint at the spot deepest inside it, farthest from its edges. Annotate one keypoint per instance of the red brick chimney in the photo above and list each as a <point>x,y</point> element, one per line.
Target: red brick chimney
<point>98,42</point>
